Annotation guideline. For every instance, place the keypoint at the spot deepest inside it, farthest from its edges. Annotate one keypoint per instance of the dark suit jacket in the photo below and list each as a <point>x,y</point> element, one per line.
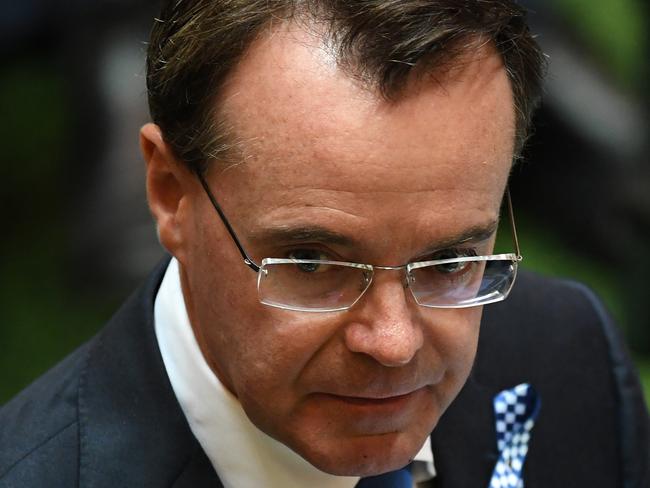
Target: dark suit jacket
<point>107,416</point>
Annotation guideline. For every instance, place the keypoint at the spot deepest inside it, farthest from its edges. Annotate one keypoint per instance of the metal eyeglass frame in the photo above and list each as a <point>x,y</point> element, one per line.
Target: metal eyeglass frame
<point>248,261</point>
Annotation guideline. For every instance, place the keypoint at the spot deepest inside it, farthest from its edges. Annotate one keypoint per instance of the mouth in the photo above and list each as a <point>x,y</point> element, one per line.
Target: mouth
<point>389,401</point>
<point>373,413</point>
<point>380,400</point>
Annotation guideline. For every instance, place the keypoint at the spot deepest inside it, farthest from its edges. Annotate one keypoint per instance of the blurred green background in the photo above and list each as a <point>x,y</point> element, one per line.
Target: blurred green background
<point>78,239</point>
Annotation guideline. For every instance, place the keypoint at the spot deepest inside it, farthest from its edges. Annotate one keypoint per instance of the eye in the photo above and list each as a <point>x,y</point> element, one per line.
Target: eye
<point>309,254</point>
<point>449,268</point>
<point>456,267</point>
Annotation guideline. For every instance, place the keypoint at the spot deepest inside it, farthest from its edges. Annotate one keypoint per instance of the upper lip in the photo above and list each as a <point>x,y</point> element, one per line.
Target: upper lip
<point>380,385</point>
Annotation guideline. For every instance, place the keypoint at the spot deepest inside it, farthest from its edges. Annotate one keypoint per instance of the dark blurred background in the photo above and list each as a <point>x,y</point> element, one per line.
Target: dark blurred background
<point>78,236</point>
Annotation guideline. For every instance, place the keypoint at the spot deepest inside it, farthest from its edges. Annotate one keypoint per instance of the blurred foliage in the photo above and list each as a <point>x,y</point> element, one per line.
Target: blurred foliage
<point>546,253</point>
<point>643,364</point>
<point>33,125</point>
<point>616,30</point>
<point>41,319</point>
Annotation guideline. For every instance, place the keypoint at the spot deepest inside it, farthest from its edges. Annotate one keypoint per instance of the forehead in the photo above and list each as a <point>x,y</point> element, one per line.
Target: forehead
<point>313,136</point>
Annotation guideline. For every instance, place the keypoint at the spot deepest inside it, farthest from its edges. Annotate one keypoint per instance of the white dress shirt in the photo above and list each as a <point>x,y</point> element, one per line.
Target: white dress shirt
<point>242,455</point>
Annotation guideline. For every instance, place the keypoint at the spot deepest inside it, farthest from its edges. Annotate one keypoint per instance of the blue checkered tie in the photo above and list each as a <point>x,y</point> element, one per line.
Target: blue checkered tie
<point>394,479</point>
<point>515,412</point>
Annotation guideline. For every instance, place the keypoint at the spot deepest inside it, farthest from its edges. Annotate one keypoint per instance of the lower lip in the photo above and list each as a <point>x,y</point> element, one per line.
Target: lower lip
<point>361,416</point>
<point>376,406</point>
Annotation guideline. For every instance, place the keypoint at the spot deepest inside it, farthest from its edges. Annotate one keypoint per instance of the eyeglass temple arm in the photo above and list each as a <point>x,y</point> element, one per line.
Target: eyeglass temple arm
<point>511,214</point>
<point>247,260</point>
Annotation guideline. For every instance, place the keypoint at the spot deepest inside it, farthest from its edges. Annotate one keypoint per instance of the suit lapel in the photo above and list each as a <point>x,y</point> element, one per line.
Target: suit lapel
<point>198,472</point>
<point>464,441</point>
<point>132,429</point>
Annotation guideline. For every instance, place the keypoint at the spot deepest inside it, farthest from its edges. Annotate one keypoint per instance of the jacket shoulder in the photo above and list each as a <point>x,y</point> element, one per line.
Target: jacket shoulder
<point>39,440</point>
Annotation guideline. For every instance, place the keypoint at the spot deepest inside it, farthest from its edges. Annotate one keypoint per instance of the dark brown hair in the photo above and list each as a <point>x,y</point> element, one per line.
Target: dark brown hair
<point>195,43</point>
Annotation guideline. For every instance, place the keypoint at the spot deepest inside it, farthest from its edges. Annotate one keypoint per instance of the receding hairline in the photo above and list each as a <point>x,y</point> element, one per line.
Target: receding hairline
<point>469,52</point>
<point>195,45</point>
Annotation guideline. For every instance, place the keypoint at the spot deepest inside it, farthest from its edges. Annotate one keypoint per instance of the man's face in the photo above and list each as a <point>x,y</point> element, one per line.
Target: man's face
<point>353,392</point>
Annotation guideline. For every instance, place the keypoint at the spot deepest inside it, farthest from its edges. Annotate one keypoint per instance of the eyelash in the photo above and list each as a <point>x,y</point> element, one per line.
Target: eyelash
<point>451,253</point>
<point>327,255</point>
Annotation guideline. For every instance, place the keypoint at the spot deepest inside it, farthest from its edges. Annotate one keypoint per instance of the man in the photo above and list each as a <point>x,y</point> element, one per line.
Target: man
<point>292,143</point>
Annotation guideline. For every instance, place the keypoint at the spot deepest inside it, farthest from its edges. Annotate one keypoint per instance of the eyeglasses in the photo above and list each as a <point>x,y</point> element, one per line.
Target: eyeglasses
<point>316,285</point>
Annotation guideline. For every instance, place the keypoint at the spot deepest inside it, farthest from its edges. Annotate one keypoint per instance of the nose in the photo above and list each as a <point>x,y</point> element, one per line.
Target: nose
<point>384,324</point>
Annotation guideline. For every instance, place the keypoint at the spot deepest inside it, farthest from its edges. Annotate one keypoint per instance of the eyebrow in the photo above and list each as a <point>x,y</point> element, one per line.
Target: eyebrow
<point>287,235</point>
<point>477,233</point>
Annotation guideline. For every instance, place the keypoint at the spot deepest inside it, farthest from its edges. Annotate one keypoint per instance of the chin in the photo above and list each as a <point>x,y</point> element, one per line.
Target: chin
<point>363,456</point>
<point>360,438</point>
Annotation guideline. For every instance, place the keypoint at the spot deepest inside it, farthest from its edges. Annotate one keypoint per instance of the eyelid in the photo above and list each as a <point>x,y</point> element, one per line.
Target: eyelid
<point>324,254</point>
<point>463,251</point>
<point>455,251</point>
<point>475,238</point>
<point>459,251</point>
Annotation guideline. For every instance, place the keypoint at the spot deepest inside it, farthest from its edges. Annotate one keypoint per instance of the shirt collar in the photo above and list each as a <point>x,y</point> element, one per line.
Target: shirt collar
<point>241,454</point>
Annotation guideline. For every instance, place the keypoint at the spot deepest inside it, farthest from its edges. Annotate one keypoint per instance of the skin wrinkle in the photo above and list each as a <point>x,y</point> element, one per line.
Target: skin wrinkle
<point>372,184</point>
<point>270,216</point>
<point>302,192</point>
<point>310,188</point>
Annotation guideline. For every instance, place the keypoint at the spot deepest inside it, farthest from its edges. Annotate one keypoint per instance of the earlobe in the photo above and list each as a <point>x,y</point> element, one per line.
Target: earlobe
<point>166,188</point>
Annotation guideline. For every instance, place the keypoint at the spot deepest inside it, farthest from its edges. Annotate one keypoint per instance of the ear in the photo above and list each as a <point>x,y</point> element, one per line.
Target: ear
<point>167,189</point>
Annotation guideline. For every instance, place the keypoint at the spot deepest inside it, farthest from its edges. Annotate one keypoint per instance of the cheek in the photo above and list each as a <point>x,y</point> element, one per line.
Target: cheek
<point>455,338</point>
<point>463,336</point>
<point>266,370</point>
<point>282,344</point>
<point>262,352</point>
<point>222,303</point>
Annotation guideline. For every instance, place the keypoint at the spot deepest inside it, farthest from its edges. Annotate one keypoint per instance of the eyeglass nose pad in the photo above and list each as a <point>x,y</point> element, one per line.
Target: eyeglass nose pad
<point>365,281</point>
<point>408,280</point>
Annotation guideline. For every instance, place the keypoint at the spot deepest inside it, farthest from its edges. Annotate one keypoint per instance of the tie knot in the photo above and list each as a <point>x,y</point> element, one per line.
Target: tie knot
<point>400,478</point>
